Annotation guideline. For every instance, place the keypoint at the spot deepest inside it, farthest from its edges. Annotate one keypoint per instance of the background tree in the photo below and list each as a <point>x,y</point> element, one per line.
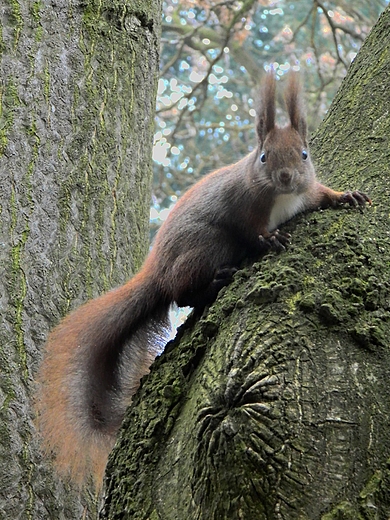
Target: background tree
<point>214,52</point>
<point>276,403</point>
<point>78,86</point>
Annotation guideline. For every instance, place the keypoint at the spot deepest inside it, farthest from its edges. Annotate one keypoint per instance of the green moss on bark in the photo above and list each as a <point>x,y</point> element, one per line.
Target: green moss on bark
<point>273,404</point>
<point>16,18</point>
<point>77,109</point>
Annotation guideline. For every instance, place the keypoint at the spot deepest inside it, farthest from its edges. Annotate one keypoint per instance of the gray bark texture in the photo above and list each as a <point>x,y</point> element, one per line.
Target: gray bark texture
<point>275,404</point>
<point>78,86</point>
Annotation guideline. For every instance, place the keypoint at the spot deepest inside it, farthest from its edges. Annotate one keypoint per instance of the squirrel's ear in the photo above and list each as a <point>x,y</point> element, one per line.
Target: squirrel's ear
<point>265,120</point>
<point>294,105</point>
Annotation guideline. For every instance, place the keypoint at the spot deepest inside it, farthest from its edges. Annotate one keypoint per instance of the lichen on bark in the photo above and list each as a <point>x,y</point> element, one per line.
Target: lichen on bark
<point>78,86</point>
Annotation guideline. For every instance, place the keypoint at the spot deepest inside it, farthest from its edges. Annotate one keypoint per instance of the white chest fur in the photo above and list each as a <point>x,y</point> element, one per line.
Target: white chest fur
<point>285,207</point>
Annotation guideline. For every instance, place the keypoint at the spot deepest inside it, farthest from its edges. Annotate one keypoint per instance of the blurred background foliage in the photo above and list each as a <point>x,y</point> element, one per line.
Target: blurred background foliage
<point>214,53</point>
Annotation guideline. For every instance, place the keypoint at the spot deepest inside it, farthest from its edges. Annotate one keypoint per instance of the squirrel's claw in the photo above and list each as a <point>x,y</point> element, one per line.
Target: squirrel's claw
<point>355,198</point>
<point>276,240</point>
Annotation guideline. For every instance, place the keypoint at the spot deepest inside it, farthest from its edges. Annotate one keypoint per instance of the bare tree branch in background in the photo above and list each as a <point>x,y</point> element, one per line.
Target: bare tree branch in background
<point>213,54</point>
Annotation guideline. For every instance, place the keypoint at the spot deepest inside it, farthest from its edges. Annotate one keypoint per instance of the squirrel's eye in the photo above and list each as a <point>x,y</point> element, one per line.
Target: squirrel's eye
<point>304,155</point>
<point>263,158</point>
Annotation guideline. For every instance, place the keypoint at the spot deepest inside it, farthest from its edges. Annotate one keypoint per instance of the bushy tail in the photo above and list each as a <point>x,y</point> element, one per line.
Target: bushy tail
<point>93,363</point>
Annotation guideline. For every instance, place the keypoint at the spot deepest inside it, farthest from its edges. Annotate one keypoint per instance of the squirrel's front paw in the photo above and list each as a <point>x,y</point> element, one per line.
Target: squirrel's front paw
<point>355,198</point>
<point>275,240</point>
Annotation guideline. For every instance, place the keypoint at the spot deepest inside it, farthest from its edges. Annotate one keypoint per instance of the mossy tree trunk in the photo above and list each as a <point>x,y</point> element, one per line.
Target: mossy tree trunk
<point>78,85</point>
<point>276,403</point>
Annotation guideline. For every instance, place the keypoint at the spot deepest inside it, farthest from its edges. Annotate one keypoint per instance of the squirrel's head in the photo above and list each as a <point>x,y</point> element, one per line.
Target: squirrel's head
<point>283,152</point>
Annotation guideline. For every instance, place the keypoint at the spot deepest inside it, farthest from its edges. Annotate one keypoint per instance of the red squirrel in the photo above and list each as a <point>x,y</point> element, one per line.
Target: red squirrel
<point>97,355</point>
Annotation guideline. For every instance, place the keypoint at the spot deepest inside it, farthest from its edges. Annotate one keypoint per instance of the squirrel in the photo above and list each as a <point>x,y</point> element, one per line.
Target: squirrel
<point>96,356</point>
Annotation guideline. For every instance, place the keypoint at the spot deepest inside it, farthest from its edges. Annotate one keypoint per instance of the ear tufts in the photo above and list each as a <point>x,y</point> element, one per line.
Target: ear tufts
<point>294,105</point>
<point>266,109</point>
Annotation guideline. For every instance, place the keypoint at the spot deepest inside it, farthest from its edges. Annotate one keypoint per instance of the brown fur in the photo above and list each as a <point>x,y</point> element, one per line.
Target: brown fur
<point>96,356</point>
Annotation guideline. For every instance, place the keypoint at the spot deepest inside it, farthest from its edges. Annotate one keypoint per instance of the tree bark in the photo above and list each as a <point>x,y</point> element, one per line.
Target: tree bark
<point>275,404</point>
<point>78,87</point>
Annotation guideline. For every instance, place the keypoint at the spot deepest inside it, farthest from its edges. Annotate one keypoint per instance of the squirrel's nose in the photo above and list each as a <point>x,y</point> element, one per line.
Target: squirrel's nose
<point>284,177</point>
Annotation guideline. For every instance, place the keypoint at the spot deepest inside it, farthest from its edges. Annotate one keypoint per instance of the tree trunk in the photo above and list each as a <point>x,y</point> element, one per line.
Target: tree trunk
<point>275,404</point>
<point>78,86</point>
